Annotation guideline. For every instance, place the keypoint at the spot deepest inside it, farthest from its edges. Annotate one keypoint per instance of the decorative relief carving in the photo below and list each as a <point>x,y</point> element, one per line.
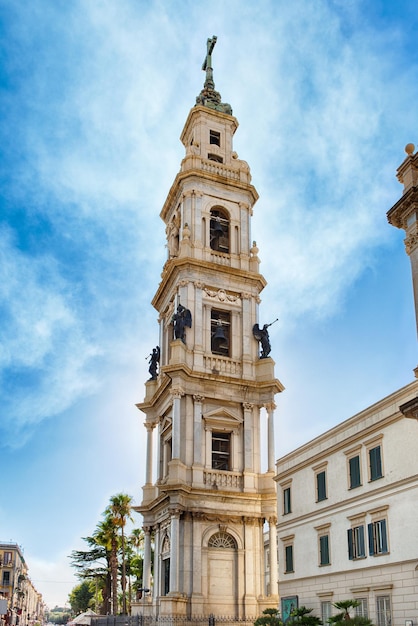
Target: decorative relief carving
<point>248,406</point>
<point>198,399</point>
<point>411,242</point>
<point>198,284</point>
<point>221,295</point>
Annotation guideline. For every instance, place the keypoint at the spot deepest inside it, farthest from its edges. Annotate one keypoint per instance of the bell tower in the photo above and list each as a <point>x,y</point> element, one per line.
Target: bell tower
<point>209,495</point>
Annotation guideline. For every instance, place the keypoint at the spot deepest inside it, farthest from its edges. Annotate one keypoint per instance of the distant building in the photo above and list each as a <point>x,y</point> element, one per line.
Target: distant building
<point>24,605</point>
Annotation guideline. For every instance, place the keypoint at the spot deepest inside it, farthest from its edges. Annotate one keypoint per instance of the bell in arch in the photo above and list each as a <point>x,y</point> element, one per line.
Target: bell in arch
<point>218,339</point>
<point>217,228</point>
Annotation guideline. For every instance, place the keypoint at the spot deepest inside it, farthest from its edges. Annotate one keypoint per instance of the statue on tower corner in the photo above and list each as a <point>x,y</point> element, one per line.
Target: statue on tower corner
<point>154,359</point>
<point>209,97</point>
<point>181,318</point>
<point>262,336</point>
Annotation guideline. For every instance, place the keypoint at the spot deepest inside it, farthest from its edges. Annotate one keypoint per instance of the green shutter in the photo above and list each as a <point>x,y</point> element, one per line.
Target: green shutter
<point>354,464</point>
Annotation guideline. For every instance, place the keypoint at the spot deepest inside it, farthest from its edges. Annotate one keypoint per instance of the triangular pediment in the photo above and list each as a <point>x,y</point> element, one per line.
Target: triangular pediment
<point>223,418</point>
<point>166,423</point>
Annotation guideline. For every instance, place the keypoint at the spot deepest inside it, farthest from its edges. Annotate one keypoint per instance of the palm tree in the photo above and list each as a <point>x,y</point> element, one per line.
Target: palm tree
<point>344,606</point>
<point>344,619</point>
<point>119,511</point>
<point>302,617</point>
<point>106,536</point>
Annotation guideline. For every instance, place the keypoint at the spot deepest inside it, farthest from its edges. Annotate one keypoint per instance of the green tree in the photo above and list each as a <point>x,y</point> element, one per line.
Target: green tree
<point>344,618</point>
<point>302,617</point>
<point>119,511</point>
<point>270,617</point>
<point>81,597</point>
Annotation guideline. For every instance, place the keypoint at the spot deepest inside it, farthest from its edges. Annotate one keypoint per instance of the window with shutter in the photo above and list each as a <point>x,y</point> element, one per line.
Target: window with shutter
<point>354,472</point>
<point>375,460</point>
<point>321,488</point>
<point>324,550</point>
<point>356,546</point>
<point>378,543</point>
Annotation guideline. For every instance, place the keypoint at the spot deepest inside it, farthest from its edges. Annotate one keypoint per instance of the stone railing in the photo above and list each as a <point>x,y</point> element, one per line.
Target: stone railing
<point>222,365</point>
<point>213,167</point>
<point>217,479</point>
<point>220,258</point>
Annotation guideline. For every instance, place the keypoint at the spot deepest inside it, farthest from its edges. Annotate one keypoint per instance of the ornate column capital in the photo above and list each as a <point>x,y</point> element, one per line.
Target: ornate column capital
<point>269,406</point>
<point>177,392</point>
<point>198,398</point>
<point>248,406</point>
<point>149,427</point>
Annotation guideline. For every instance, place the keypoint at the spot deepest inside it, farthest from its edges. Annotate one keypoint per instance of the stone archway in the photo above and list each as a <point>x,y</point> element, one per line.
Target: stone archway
<point>223,573</point>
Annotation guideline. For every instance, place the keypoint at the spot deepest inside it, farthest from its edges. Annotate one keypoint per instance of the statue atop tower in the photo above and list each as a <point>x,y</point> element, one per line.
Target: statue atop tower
<point>209,97</point>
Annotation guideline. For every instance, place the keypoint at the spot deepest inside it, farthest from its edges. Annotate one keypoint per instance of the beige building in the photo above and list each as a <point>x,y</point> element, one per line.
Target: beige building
<point>212,385</point>
<point>348,510</point>
<point>348,500</point>
<point>22,604</point>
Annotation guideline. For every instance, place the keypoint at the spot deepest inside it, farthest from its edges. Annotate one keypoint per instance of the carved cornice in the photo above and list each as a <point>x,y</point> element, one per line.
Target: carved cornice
<point>410,409</point>
<point>400,211</point>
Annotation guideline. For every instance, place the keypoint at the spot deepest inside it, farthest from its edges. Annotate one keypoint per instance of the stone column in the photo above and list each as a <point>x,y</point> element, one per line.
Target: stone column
<point>198,321</point>
<point>248,436</point>
<point>274,590</point>
<point>176,394</point>
<point>174,551</point>
<point>157,563</point>
<point>148,475</point>
<point>197,434</point>
<point>146,579</point>
<point>270,435</point>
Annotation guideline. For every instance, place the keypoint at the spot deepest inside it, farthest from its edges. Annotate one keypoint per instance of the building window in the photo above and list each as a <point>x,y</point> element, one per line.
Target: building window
<point>362,610</point>
<point>375,463</point>
<point>222,540</point>
<point>383,611</point>
<point>221,451</point>
<point>220,328</point>
<point>214,137</point>
<point>324,550</point>
<point>321,487</point>
<point>288,557</point>
<point>6,578</point>
<point>354,472</point>
<point>7,558</point>
<point>326,611</point>
<point>356,547</point>
<point>219,230</point>
<point>215,157</point>
<point>287,502</point>
<point>378,543</point>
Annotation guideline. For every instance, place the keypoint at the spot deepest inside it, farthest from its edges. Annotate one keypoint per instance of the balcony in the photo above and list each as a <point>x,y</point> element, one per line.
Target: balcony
<point>224,481</point>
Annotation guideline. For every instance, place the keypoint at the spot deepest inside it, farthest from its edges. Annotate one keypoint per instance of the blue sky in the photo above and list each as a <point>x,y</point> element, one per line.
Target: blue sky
<point>93,98</point>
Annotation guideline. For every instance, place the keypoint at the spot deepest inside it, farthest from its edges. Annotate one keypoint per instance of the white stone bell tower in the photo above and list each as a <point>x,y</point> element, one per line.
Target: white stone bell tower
<point>205,514</point>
